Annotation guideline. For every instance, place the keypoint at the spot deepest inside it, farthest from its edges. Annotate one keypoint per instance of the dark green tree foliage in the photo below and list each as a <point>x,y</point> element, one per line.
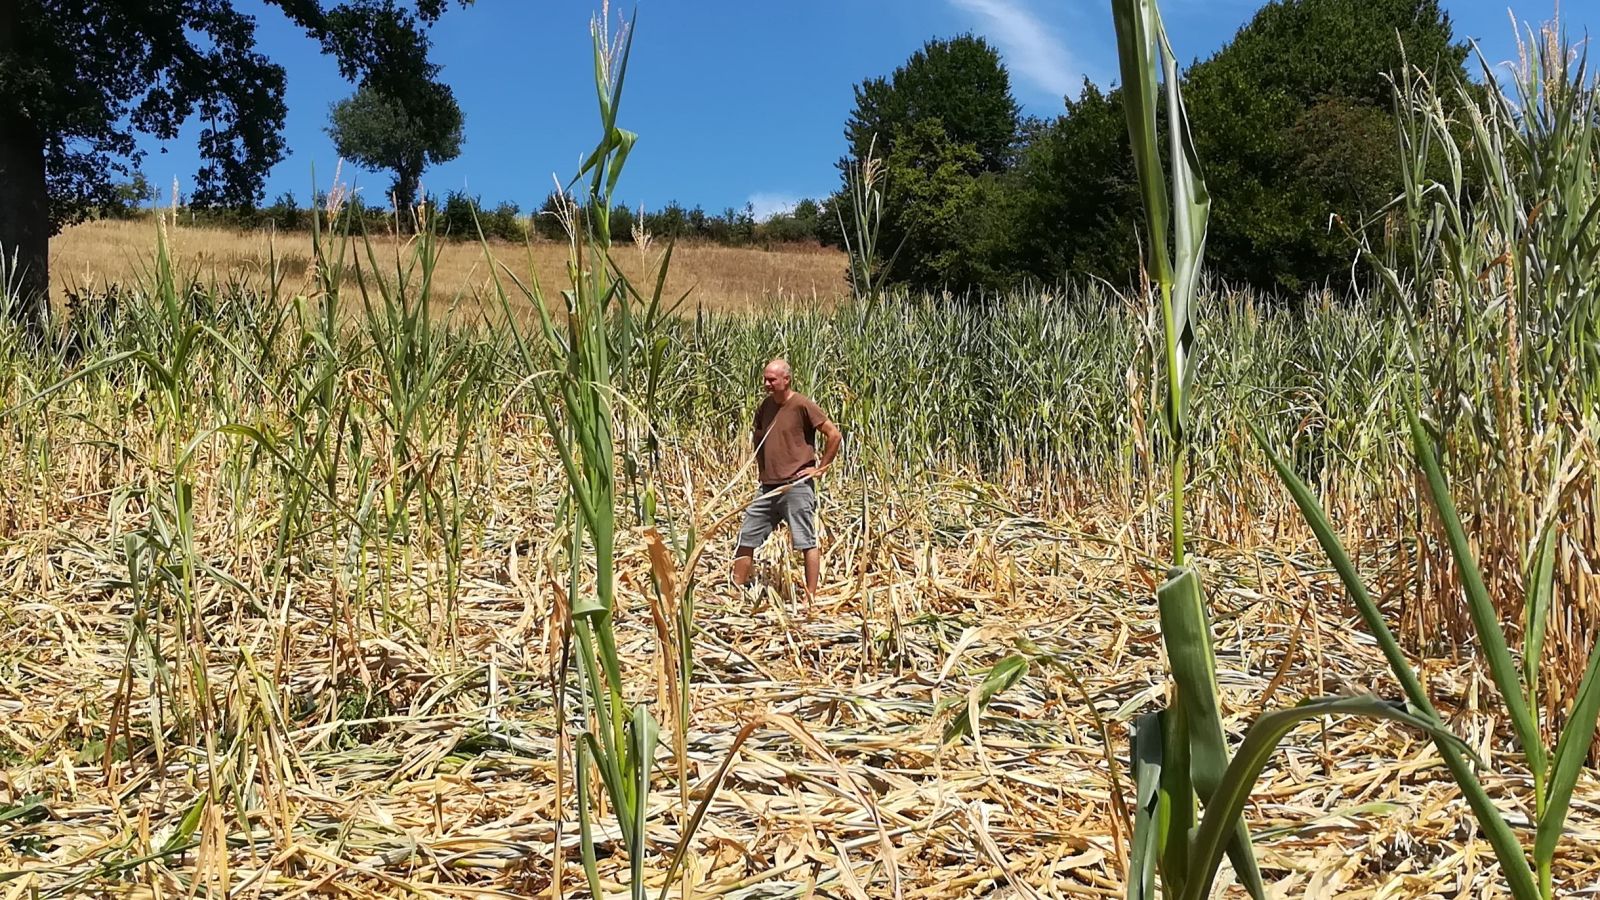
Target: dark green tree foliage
<point>1071,204</point>
<point>941,123</point>
<point>79,78</point>
<point>1293,120</point>
<point>129,197</point>
<point>960,82</point>
<point>455,217</point>
<point>669,221</point>
<point>797,225</point>
<point>547,219</point>
<point>285,213</point>
<point>379,133</point>
<point>933,180</point>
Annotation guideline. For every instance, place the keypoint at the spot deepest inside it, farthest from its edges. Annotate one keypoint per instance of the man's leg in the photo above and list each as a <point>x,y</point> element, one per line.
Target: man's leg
<point>743,558</point>
<point>801,513</point>
<point>759,518</point>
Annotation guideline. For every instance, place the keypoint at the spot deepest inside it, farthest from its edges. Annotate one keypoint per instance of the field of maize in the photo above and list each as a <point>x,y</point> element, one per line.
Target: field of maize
<point>344,593</point>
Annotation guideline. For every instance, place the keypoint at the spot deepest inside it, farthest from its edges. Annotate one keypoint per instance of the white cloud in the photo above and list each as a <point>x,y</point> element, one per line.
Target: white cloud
<point>767,204</point>
<point>1031,51</point>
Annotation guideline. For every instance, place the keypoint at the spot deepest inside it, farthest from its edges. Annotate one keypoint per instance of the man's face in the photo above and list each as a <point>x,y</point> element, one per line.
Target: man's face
<point>776,380</point>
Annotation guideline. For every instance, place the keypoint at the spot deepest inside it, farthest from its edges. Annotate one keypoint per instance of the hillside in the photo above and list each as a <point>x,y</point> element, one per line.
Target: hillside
<point>719,278</point>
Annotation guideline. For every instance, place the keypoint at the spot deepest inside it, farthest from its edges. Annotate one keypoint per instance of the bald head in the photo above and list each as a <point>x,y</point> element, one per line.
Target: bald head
<point>776,377</point>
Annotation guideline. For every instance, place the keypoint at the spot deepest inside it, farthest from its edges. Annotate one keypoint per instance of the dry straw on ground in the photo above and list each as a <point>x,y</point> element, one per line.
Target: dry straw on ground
<point>442,782</point>
<point>93,254</point>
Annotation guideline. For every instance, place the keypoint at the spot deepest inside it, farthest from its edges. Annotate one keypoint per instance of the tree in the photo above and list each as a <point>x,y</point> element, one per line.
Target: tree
<point>790,226</point>
<point>1294,121</point>
<point>1071,204</point>
<point>935,197</point>
<point>379,133</point>
<point>942,122</point>
<point>128,197</point>
<point>961,82</point>
<point>78,79</point>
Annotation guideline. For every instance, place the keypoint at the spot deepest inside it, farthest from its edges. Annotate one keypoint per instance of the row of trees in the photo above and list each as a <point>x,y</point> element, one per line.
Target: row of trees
<point>1293,118</point>
<point>458,215</point>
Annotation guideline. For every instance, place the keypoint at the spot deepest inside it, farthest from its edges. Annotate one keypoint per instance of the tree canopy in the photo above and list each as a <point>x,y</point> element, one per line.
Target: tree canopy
<point>1294,123</point>
<point>378,132</point>
<point>1293,120</point>
<point>960,82</point>
<point>79,78</point>
<point>941,123</point>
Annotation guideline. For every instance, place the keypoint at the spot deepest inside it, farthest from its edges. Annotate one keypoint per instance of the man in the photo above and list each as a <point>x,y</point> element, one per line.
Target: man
<point>784,436</point>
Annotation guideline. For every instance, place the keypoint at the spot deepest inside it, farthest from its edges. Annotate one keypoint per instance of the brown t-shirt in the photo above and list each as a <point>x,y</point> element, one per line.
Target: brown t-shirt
<point>785,437</point>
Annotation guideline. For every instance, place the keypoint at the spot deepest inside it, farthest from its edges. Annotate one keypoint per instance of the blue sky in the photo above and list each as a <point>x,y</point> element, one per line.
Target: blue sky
<point>735,102</point>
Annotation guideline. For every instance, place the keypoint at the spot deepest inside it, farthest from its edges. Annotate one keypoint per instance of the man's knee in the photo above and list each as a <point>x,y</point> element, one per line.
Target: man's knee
<point>744,553</point>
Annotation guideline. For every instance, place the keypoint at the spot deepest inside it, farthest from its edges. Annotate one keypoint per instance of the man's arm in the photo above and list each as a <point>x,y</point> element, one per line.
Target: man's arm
<point>835,438</point>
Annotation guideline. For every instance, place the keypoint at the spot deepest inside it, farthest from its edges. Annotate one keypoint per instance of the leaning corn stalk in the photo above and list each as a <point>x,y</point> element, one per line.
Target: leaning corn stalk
<point>1180,752</point>
<point>1555,770</point>
<point>1191,794</point>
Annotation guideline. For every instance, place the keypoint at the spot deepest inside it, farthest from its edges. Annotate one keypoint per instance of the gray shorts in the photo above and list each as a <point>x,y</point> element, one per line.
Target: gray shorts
<point>797,508</point>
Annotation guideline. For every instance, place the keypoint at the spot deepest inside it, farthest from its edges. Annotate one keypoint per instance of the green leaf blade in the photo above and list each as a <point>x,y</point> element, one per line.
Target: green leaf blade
<point>1005,673</point>
<point>1145,850</point>
<point>1227,807</point>
<point>1485,618</point>
<point>1572,748</point>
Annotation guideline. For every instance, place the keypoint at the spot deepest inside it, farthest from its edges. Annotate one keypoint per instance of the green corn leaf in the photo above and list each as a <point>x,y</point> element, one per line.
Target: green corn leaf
<point>1147,814</point>
<point>625,141</point>
<point>79,375</point>
<point>1536,609</point>
<point>1227,806</point>
<point>580,781</point>
<point>609,109</point>
<point>1179,815</point>
<point>1315,517</point>
<point>1191,210</point>
<point>1571,750</point>
<point>1507,848</point>
<point>1138,23</point>
<point>187,826</point>
<point>602,87</point>
<point>1003,675</point>
<point>1375,809</point>
<point>643,735</point>
<point>29,809</point>
<point>1186,632</point>
<point>587,606</point>
<point>1485,619</point>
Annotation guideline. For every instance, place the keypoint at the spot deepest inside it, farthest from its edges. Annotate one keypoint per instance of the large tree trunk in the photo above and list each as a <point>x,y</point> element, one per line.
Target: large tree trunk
<point>24,198</point>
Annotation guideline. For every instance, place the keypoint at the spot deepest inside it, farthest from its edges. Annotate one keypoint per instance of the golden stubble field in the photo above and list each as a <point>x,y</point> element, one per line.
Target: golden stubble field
<point>442,777</point>
<point>93,254</point>
<point>394,717</point>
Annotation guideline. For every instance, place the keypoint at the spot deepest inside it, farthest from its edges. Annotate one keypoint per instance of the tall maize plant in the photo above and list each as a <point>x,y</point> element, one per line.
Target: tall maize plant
<point>1180,751</point>
<point>608,358</point>
<point>616,743</point>
<point>1532,221</point>
<point>1180,754</point>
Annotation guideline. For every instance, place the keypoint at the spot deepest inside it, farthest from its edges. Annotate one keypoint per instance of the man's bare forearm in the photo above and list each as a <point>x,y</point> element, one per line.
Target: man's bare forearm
<point>835,440</point>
